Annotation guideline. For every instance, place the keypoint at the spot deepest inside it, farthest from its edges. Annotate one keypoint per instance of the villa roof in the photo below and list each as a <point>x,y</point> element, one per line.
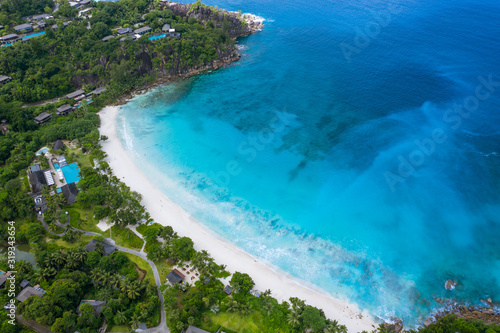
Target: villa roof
<point>123,31</point>
<point>166,27</point>
<point>23,26</point>
<point>75,94</point>
<point>142,30</point>
<point>4,78</point>
<point>42,117</point>
<point>9,36</point>
<point>70,191</point>
<point>37,180</point>
<point>108,248</point>
<point>192,329</point>
<point>3,278</point>
<point>175,276</point>
<point>105,39</point>
<point>35,167</point>
<point>58,145</point>
<point>228,290</point>
<point>66,108</point>
<point>28,292</point>
<point>24,283</point>
<point>98,91</point>
<point>40,17</point>
<point>97,305</point>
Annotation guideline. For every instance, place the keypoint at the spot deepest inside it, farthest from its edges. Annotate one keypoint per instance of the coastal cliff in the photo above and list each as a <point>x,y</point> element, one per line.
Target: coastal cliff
<point>165,62</point>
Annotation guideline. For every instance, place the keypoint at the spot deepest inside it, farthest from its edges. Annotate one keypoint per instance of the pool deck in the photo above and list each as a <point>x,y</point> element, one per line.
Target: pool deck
<point>53,171</point>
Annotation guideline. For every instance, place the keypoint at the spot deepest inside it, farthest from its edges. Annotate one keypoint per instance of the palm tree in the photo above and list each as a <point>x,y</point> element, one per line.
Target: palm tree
<point>293,318</point>
<point>60,257</point>
<point>120,317</point>
<point>115,281</point>
<point>232,305</point>
<point>268,308</point>
<point>105,294</point>
<point>99,247</point>
<point>266,293</point>
<point>244,309</point>
<point>135,320</point>
<point>332,326</point>
<point>49,260</point>
<point>133,291</point>
<point>95,274</point>
<point>105,278</point>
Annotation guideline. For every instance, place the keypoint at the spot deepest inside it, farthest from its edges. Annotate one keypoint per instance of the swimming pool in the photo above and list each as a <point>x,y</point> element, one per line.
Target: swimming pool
<point>69,171</point>
<point>157,37</point>
<point>33,35</point>
<point>42,151</point>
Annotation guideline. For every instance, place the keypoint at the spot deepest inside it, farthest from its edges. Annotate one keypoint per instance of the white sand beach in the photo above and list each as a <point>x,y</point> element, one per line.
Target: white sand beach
<point>161,208</point>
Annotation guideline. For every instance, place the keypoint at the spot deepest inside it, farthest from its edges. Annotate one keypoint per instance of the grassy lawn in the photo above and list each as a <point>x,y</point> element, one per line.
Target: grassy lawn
<point>233,322</point>
<point>142,264</point>
<point>82,241</point>
<point>82,218</point>
<point>77,156</point>
<point>142,228</point>
<point>121,329</point>
<point>125,237</point>
<point>163,269</point>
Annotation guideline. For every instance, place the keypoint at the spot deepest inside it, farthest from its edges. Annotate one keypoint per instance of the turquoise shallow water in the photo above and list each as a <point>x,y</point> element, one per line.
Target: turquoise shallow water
<point>355,145</point>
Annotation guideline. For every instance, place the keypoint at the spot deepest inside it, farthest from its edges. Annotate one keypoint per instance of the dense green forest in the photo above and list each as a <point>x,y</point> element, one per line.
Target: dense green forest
<point>70,57</point>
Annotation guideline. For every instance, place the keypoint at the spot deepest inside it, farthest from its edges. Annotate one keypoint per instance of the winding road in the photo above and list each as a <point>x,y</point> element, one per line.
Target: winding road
<point>162,328</point>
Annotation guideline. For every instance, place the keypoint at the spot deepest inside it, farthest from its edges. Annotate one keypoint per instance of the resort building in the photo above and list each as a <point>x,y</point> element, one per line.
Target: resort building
<point>42,118</point>
<point>9,39</point>
<point>166,27</point>
<point>48,178</point>
<point>40,203</point>
<point>34,168</point>
<point>26,27</point>
<point>54,27</point>
<point>3,127</point>
<point>85,2</point>
<point>64,110</point>
<point>28,292</point>
<point>4,79</point>
<point>3,279</point>
<point>105,39</point>
<point>124,31</point>
<point>175,276</point>
<point>58,145</point>
<point>142,31</point>
<point>108,248</point>
<point>97,91</point>
<point>97,305</point>
<point>228,290</point>
<point>77,95</point>
<point>40,17</point>
<point>37,181</point>
<point>192,329</point>
<point>41,25</point>
<point>70,191</point>
<point>24,284</point>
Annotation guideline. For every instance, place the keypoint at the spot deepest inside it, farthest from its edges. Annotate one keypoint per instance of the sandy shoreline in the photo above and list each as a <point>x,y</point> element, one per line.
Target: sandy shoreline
<point>162,209</point>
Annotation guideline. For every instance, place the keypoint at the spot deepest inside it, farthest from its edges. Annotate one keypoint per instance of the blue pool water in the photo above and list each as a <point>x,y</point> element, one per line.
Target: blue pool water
<point>356,145</point>
<point>42,151</point>
<point>70,172</point>
<point>157,37</point>
<point>33,35</point>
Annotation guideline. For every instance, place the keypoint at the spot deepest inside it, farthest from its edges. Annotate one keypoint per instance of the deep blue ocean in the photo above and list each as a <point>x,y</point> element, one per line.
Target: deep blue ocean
<point>355,145</point>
